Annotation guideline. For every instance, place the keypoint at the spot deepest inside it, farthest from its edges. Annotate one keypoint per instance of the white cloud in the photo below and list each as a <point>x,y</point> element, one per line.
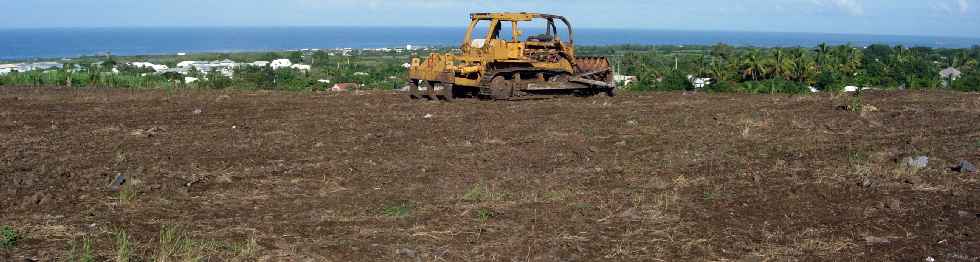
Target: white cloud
<point>852,7</point>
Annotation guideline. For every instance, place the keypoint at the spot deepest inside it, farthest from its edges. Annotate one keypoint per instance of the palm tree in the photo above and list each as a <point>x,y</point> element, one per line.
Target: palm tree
<point>823,54</point>
<point>753,66</point>
<point>853,59</point>
<point>719,71</point>
<point>781,65</point>
<point>802,65</point>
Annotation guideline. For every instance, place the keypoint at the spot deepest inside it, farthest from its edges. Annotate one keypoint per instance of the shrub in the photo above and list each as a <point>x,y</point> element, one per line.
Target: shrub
<point>968,82</point>
<point>722,86</point>
<point>8,237</point>
<point>675,80</point>
<point>830,81</point>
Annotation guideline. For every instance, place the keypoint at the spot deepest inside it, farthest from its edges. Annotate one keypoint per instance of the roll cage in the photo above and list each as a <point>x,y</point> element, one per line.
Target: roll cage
<point>496,20</point>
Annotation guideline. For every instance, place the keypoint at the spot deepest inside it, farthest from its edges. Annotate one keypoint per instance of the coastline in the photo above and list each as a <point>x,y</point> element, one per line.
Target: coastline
<point>54,43</point>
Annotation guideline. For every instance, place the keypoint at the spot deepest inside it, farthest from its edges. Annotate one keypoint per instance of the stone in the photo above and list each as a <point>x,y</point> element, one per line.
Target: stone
<point>38,199</point>
<point>894,204</point>
<point>966,167</point>
<point>914,180</point>
<point>198,111</point>
<point>917,162</point>
<point>117,183</point>
<point>406,252</point>
<point>872,240</point>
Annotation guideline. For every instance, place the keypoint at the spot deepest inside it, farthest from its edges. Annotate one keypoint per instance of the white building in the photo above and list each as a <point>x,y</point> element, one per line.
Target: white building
<point>155,67</point>
<point>187,64</point>
<point>626,80</point>
<point>7,68</point>
<point>301,67</point>
<point>699,82</point>
<point>950,73</point>
<point>260,63</point>
<point>224,63</point>
<point>224,67</point>
<point>280,63</point>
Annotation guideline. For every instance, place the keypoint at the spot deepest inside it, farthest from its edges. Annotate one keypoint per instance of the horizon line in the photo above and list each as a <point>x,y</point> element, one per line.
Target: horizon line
<point>971,37</point>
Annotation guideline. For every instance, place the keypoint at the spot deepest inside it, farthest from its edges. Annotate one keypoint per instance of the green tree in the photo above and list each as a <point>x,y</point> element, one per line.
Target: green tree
<point>296,57</point>
<point>782,65</point>
<point>753,66</point>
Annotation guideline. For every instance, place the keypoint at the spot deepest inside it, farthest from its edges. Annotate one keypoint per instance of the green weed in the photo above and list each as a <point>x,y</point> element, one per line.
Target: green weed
<point>80,251</point>
<point>176,246</point>
<point>708,196</point>
<point>483,214</point>
<point>583,205</point>
<point>856,157</point>
<point>857,103</point>
<point>476,193</point>
<point>554,195</point>
<point>247,250</point>
<point>127,195</point>
<point>8,237</point>
<point>398,211</point>
<point>482,192</point>
<point>124,248</point>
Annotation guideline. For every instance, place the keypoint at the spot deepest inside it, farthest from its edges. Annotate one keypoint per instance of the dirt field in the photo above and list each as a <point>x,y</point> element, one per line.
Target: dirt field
<point>378,177</point>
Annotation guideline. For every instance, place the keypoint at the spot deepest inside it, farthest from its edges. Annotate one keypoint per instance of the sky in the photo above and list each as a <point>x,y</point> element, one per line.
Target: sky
<point>888,17</point>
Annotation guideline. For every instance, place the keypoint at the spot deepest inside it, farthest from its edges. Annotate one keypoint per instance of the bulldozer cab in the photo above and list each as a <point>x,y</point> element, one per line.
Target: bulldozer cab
<point>501,34</point>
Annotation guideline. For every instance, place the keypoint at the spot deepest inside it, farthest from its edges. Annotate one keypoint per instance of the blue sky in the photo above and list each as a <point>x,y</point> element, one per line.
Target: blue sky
<point>903,17</point>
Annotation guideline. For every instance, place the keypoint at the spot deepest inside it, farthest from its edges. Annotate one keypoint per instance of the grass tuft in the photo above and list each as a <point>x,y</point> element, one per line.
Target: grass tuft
<point>397,211</point>
<point>8,237</point>
<point>124,248</point>
<point>176,246</point>
<point>481,192</point>
<point>475,193</point>
<point>127,195</point>
<point>483,214</point>
<point>80,251</point>
<point>247,250</point>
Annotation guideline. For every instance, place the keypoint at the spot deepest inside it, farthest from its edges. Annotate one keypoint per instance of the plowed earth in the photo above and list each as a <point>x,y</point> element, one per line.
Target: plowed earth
<point>379,177</point>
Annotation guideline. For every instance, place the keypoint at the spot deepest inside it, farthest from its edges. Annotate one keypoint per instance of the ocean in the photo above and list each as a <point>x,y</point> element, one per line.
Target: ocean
<point>53,43</point>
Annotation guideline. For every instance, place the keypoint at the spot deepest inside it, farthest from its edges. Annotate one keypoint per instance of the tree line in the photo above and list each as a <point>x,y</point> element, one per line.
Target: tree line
<point>790,70</point>
<point>731,69</point>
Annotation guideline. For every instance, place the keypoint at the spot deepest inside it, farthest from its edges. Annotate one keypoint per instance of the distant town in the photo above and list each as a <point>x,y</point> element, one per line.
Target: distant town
<point>193,70</point>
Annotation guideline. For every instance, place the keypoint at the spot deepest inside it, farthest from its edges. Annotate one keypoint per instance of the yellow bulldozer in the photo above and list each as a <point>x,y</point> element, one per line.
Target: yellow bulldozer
<point>496,61</point>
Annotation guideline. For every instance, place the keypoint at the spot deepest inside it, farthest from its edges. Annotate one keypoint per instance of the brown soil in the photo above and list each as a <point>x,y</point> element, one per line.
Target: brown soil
<point>378,177</point>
